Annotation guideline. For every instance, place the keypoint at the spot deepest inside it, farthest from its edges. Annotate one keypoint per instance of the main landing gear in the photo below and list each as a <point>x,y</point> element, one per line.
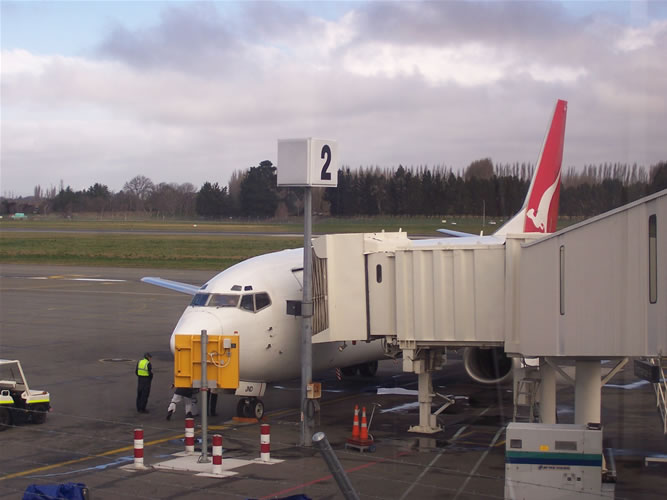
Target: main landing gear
<point>250,408</point>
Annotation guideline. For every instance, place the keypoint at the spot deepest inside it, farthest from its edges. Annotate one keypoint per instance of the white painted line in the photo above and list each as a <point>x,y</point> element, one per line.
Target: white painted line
<point>406,406</point>
<point>629,387</point>
<point>398,390</point>
<point>479,462</point>
<point>454,438</point>
<point>190,464</point>
<point>99,280</point>
<point>220,476</point>
<point>102,280</point>
<point>270,461</point>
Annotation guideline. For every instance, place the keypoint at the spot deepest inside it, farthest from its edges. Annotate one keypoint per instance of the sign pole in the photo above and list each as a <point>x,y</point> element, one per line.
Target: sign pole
<point>203,458</point>
<point>307,162</point>
<point>307,427</point>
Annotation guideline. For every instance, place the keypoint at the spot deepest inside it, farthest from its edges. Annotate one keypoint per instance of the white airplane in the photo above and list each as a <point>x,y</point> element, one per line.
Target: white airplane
<point>260,298</point>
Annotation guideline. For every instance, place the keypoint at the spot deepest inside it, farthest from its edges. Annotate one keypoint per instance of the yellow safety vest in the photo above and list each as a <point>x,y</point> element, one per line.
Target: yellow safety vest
<point>142,369</point>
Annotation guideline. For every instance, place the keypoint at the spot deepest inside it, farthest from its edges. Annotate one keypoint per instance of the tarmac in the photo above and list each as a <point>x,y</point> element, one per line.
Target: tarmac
<point>79,332</point>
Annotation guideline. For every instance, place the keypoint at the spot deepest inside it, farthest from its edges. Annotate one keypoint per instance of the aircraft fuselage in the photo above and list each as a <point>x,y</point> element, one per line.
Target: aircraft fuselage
<point>250,298</point>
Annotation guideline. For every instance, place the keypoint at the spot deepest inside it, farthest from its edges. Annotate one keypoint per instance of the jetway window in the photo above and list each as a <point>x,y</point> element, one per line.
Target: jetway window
<point>378,273</point>
<point>562,279</point>
<point>653,259</point>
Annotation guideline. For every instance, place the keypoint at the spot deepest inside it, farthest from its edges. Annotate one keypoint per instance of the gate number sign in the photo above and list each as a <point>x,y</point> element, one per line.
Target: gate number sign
<point>307,162</point>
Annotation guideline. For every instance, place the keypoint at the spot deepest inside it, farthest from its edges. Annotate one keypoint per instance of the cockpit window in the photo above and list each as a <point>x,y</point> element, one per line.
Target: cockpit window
<point>199,299</point>
<point>252,302</point>
<point>255,302</point>
<point>223,300</point>
<point>262,300</point>
<point>247,303</point>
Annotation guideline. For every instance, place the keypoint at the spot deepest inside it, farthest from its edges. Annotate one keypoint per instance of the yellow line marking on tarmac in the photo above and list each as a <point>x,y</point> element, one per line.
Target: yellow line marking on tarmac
<point>90,457</point>
<point>150,443</point>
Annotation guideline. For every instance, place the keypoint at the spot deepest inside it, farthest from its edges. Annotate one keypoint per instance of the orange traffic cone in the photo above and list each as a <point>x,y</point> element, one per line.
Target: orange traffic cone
<point>364,425</point>
<point>355,423</point>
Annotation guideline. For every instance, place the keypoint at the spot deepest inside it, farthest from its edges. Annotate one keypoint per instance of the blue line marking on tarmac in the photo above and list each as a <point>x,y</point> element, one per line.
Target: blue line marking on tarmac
<point>118,461</point>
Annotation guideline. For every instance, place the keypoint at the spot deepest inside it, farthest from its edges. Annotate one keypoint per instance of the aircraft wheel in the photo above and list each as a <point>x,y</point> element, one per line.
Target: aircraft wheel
<point>369,369</point>
<point>257,408</point>
<point>5,419</point>
<point>241,407</point>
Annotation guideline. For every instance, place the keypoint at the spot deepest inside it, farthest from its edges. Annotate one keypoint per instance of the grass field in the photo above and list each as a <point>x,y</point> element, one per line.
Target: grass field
<point>178,244</point>
<point>321,225</point>
<point>130,250</point>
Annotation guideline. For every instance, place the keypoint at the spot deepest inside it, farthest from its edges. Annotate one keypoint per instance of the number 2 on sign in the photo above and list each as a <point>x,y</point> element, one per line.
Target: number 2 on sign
<point>326,151</point>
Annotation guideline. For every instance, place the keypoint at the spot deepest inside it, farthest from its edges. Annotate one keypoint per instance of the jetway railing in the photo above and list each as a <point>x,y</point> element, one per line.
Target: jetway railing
<point>661,391</point>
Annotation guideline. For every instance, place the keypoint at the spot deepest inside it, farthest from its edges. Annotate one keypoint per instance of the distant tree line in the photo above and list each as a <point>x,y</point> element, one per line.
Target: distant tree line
<point>497,190</point>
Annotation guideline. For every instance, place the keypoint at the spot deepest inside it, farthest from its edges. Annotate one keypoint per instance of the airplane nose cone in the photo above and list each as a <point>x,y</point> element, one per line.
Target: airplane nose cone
<point>193,322</point>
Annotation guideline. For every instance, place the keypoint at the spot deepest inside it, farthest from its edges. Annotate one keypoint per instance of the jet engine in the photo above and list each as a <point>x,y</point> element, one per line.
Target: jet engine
<point>488,365</point>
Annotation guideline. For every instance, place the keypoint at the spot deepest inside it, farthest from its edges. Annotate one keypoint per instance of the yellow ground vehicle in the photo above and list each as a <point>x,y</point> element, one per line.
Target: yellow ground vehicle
<point>19,403</point>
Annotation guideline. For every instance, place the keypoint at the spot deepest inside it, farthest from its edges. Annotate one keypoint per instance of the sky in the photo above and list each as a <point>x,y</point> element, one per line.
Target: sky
<point>185,91</point>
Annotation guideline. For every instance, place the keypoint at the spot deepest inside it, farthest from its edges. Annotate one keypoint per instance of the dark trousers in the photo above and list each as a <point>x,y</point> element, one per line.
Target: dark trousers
<point>143,391</point>
<point>212,402</point>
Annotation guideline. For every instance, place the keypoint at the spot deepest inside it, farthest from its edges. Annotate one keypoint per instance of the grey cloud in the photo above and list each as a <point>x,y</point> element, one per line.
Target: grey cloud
<point>274,20</point>
<point>447,22</point>
<point>191,38</point>
<point>193,100</point>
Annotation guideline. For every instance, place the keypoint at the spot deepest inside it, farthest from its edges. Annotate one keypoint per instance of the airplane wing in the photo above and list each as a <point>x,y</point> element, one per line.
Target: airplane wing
<point>458,234</point>
<point>172,285</point>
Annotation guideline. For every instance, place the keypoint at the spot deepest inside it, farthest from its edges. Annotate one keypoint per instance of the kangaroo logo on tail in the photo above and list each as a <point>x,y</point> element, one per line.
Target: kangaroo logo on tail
<point>539,213</point>
<point>540,218</point>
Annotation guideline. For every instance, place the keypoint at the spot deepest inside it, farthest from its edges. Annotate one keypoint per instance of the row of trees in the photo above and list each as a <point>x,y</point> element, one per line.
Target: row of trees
<point>138,194</point>
<point>498,190</point>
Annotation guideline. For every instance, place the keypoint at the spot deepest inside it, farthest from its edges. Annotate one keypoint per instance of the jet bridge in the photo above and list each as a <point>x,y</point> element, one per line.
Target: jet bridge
<point>593,290</point>
<point>419,297</point>
<point>375,285</point>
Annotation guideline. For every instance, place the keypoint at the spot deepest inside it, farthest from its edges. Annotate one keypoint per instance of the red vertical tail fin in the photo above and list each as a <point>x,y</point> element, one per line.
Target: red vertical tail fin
<point>539,213</point>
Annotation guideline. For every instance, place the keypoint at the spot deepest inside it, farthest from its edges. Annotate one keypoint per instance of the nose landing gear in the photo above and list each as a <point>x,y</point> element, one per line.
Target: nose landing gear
<point>250,408</point>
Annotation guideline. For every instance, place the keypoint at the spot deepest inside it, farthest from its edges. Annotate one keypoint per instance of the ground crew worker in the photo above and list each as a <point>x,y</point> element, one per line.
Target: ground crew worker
<point>186,394</point>
<point>144,373</point>
<point>212,402</point>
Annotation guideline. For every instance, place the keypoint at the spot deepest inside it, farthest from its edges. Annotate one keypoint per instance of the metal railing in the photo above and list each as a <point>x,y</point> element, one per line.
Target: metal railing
<point>661,391</point>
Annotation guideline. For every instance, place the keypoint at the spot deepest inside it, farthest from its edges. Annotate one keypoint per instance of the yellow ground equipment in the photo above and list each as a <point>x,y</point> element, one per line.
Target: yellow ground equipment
<point>222,370</point>
<point>18,403</point>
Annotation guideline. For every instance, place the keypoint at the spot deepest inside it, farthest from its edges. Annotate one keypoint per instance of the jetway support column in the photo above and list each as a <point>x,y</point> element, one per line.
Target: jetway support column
<point>427,421</point>
<point>587,392</point>
<point>547,393</point>
<point>424,362</point>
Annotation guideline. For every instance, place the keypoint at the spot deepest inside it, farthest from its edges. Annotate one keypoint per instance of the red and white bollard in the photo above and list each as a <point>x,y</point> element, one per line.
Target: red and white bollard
<point>265,443</point>
<point>139,449</point>
<point>217,454</point>
<point>265,447</point>
<point>189,435</point>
